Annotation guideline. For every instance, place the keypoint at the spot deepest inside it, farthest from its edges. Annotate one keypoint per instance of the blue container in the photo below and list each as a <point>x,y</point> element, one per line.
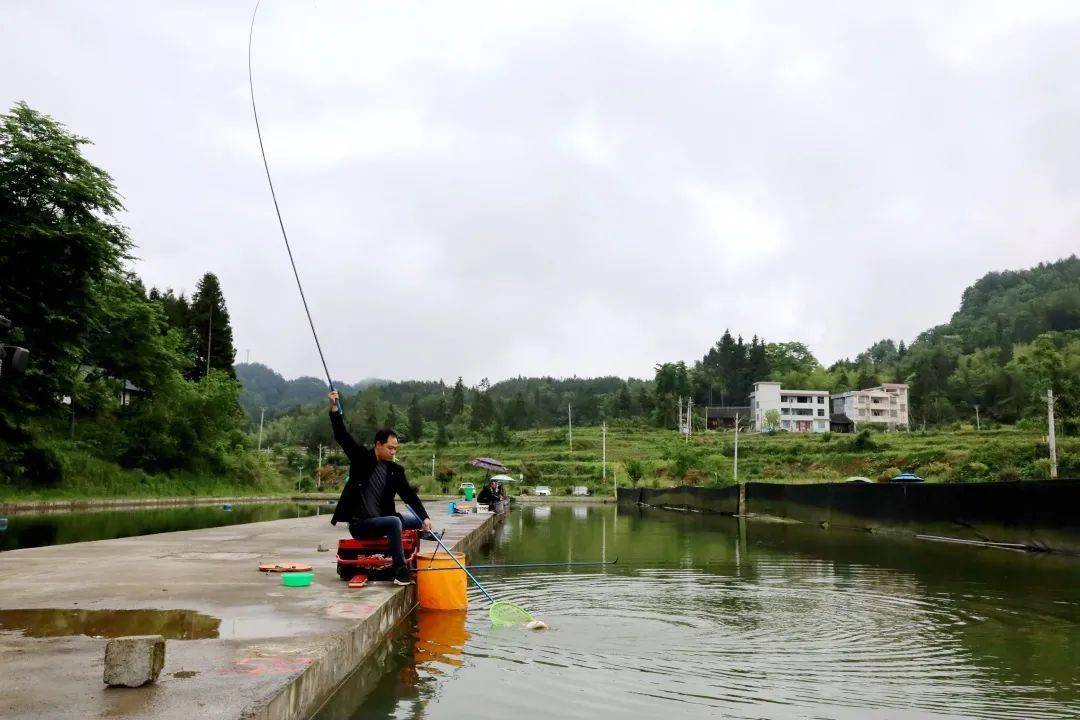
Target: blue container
<point>453,505</point>
<point>3,524</point>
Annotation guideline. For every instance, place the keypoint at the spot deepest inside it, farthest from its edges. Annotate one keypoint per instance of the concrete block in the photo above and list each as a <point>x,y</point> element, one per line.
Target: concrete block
<point>135,660</point>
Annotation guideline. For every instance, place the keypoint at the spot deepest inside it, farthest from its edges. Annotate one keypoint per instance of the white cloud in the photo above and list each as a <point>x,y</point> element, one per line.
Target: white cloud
<point>571,187</point>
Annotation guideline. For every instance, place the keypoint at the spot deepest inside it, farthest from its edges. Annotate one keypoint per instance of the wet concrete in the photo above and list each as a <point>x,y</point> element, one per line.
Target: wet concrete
<point>60,622</point>
<point>279,652</point>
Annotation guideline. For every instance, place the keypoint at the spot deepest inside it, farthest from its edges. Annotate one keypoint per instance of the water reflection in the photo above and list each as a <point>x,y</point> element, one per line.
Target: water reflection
<point>38,529</point>
<point>170,624</point>
<point>440,638</point>
<point>706,615</point>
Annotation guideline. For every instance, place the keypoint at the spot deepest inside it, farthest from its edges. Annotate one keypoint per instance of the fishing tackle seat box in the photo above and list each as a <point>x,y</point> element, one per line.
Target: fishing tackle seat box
<point>371,556</point>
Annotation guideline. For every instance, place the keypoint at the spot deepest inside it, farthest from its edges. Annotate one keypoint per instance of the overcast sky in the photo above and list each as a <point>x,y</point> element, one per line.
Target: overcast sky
<point>494,189</point>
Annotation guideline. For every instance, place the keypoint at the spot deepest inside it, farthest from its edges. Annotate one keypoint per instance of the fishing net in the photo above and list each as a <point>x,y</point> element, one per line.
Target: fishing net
<point>507,613</point>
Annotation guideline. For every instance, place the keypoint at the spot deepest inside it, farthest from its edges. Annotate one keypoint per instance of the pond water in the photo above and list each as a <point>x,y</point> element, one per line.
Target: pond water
<point>34,529</point>
<point>707,616</point>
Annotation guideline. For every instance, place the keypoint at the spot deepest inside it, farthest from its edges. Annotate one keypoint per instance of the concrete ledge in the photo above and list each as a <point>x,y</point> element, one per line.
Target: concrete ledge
<point>279,652</point>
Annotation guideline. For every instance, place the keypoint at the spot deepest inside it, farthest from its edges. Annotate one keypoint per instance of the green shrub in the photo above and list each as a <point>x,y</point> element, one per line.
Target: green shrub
<point>935,469</point>
<point>888,473</point>
<point>863,441</point>
<point>1039,469</point>
<point>970,472</point>
<point>1009,474</point>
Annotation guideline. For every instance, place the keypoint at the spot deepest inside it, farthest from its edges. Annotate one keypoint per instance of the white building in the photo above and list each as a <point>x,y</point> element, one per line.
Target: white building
<point>800,410</point>
<point>885,404</point>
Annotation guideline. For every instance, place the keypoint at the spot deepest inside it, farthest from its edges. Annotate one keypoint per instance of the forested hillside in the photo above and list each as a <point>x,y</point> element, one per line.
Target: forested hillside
<point>1015,335</point>
<point>125,390</point>
<point>266,389</point>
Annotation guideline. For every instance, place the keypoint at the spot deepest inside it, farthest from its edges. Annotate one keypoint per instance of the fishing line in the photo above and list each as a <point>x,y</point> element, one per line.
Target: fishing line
<point>281,223</point>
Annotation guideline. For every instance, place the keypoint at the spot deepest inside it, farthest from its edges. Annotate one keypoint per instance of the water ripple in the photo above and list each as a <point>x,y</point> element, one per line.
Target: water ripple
<point>785,638</point>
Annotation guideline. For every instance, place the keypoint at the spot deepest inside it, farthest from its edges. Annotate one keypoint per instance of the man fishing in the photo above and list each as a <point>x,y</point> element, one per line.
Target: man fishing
<point>492,495</point>
<point>367,501</point>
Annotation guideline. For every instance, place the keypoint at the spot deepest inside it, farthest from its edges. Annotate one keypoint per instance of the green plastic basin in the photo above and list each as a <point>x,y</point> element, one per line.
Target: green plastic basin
<point>297,579</point>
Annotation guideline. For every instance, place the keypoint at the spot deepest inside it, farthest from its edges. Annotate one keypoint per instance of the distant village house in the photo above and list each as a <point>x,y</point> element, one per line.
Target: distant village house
<point>815,410</point>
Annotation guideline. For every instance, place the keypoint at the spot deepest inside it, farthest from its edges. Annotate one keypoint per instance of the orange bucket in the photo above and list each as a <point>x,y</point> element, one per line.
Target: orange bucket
<point>440,589</point>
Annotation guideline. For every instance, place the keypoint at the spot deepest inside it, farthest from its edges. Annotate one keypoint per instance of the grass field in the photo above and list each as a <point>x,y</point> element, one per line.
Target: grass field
<point>646,456</point>
<point>86,476</point>
<point>635,456</point>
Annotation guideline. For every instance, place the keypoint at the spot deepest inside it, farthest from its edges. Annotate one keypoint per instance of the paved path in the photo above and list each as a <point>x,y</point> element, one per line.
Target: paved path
<point>279,652</point>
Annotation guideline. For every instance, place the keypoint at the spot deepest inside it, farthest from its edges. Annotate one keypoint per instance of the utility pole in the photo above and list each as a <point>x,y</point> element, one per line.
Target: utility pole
<point>70,400</point>
<point>736,470</point>
<point>603,455</point>
<point>570,424</point>
<point>1051,440</point>
<point>680,414</point>
<point>433,467</point>
<point>247,356</point>
<point>262,416</point>
<point>318,471</point>
<point>209,337</point>
<point>689,418</point>
<point>978,425</point>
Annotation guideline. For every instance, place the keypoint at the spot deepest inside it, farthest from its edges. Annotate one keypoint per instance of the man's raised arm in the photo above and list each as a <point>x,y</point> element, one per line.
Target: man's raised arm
<point>351,448</point>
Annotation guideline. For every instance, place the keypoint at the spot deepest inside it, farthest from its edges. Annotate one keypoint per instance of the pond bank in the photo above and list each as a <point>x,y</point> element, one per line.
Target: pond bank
<point>60,505</point>
<point>1040,515</point>
<point>275,652</point>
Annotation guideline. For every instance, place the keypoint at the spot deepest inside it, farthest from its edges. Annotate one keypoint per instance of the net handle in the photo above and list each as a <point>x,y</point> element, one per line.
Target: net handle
<point>454,558</point>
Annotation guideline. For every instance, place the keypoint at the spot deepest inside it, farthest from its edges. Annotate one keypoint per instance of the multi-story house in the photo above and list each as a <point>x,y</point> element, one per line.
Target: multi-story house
<point>799,410</point>
<point>885,404</point>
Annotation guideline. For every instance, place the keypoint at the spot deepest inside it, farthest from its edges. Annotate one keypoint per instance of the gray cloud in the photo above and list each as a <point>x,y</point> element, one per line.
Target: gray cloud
<point>494,189</point>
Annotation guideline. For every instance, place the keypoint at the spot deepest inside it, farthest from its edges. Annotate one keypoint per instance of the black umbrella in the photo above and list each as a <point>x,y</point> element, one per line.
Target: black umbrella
<point>489,464</point>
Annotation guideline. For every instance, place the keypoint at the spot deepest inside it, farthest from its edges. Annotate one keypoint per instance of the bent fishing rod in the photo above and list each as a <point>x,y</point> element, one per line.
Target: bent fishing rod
<point>277,209</point>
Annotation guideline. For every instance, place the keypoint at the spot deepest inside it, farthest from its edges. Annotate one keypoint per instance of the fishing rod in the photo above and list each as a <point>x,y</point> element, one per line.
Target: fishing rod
<point>281,223</point>
<point>526,565</point>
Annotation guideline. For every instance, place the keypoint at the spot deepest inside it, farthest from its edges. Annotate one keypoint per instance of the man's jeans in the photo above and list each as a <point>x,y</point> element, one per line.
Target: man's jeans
<point>390,527</point>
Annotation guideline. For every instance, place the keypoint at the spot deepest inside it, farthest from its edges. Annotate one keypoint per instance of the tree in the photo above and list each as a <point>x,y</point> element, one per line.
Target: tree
<point>176,308</point>
<point>371,421</point>
<point>772,419</point>
<point>130,339</point>
<point>442,437</point>
<point>391,417</point>
<point>210,329</point>
<point>624,402</point>
<point>416,420</point>
<point>790,357</point>
<point>483,410</point>
<point>672,382</point>
<point>517,412</point>
<point>457,398</point>
<point>866,377</point>
<point>441,409</point>
<point>59,242</point>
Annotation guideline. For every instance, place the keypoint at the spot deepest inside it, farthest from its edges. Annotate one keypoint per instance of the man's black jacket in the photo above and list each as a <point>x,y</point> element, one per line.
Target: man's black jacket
<point>361,463</point>
<point>489,496</point>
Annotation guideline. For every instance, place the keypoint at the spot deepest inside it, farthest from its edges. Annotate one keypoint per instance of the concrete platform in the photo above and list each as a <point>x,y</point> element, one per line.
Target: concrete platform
<point>278,652</point>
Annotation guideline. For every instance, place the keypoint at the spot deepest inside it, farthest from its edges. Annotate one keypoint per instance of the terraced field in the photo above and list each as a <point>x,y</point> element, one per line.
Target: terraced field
<point>652,457</point>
